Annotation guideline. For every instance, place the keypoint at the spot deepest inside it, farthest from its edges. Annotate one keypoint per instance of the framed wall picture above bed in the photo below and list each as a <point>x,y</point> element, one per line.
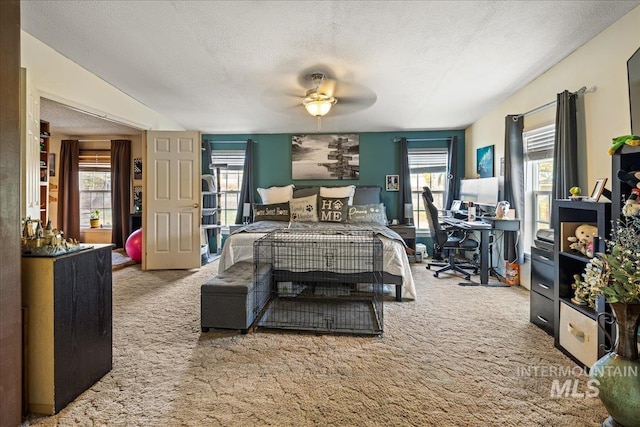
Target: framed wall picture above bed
<point>325,156</point>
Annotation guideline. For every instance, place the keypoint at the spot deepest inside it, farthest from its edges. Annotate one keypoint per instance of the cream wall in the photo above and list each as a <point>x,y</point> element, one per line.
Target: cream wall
<point>601,62</point>
<point>62,80</point>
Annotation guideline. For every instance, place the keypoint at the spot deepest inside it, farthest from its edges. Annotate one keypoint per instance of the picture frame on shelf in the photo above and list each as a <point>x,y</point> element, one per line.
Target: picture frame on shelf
<point>52,164</point>
<point>598,189</point>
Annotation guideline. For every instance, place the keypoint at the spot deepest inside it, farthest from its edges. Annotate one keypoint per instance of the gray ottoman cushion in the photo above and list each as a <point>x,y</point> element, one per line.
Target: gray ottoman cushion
<point>230,301</point>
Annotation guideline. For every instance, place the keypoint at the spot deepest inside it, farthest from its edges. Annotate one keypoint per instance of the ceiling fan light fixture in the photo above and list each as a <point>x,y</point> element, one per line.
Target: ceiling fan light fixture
<point>318,104</point>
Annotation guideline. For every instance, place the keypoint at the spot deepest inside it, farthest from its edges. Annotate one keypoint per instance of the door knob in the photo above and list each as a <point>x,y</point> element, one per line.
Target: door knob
<point>195,205</point>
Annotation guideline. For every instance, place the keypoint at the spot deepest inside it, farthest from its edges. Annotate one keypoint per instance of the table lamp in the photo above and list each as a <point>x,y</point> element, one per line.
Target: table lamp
<point>408,214</point>
<point>246,213</point>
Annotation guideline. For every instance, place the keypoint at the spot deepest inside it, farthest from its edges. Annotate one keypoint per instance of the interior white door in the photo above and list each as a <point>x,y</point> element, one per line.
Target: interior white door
<point>171,209</point>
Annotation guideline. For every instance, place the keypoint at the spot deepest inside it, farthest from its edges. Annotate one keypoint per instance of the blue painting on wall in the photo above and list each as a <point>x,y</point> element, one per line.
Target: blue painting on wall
<point>484,162</point>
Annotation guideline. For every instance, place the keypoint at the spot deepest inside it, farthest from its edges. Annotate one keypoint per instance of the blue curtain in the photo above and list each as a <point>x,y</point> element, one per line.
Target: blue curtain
<point>514,183</point>
<point>247,190</point>
<point>405,179</point>
<point>452,190</point>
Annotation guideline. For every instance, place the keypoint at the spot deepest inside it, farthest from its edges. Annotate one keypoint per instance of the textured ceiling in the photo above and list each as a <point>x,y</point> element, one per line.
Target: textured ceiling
<point>66,121</point>
<point>239,66</point>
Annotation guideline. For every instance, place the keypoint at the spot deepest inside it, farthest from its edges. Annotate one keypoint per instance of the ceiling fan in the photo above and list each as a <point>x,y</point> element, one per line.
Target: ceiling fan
<point>329,94</point>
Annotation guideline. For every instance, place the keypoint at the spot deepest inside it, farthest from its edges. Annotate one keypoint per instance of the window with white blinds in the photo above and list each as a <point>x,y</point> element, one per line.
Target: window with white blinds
<point>94,178</point>
<point>427,168</point>
<point>538,143</point>
<point>538,162</point>
<point>228,168</point>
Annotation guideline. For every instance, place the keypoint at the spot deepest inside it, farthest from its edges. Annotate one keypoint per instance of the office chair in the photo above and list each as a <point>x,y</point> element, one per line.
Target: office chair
<point>448,240</point>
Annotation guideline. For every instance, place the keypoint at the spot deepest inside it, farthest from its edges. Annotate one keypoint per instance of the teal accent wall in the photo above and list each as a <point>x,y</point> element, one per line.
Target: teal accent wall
<point>379,156</point>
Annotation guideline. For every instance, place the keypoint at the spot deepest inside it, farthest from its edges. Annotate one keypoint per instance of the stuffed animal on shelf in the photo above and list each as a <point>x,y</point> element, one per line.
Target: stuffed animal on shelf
<point>582,241</point>
<point>619,141</point>
<point>632,204</point>
<point>631,178</point>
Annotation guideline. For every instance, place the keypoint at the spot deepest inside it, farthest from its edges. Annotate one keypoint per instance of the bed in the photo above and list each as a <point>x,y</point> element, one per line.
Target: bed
<point>238,247</point>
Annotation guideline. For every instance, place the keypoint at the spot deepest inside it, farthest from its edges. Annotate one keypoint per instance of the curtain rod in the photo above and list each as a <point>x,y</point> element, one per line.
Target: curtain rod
<point>94,140</point>
<point>230,142</point>
<point>582,90</point>
<point>424,139</point>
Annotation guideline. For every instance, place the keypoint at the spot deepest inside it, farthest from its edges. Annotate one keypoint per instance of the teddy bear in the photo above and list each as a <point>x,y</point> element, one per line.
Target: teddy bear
<point>632,204</point>
<point>582,241</point>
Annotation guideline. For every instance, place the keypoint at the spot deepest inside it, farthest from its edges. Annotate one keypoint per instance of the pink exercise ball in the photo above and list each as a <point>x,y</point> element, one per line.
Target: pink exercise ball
<point>133,246</point>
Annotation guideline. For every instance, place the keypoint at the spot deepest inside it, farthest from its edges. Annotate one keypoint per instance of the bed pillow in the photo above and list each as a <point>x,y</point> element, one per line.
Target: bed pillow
<point>304,209</point>
<point>305,191</point>
<point>347,191</point>
<point>273,212</point>
<point>274,194</point>
<point>333,209</point>
<point>367,195</point>
<point>367,213</point>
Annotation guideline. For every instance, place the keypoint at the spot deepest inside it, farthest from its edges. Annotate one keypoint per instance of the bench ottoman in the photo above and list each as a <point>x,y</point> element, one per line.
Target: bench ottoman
<point>231,301</point>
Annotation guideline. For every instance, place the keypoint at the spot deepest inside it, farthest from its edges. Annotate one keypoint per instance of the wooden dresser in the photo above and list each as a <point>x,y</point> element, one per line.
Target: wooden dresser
<point>68,342</point>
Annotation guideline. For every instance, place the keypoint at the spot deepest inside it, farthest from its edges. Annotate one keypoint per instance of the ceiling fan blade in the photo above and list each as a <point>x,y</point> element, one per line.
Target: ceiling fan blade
<point>274,99</point>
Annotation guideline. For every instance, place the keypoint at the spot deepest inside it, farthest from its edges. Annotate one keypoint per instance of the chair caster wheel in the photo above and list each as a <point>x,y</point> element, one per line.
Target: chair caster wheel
<point>435,274</point>
<point>467,277</point>
<point>428,267</point>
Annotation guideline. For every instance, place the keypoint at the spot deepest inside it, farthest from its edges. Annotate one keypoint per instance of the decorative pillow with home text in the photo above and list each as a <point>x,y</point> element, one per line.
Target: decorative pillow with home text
<point>333,209</point>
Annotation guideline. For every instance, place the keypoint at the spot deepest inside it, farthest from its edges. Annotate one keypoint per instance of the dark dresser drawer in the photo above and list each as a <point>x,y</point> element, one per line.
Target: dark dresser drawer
<point>541,312</point>
<point>542,272</point>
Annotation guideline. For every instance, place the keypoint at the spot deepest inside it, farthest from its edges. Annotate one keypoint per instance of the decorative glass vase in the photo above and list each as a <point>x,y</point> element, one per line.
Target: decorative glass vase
<point>618,372</point>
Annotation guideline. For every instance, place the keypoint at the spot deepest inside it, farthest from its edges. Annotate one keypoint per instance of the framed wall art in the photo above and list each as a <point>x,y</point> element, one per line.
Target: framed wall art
<point>484,161</point>
<point>393,183</point>
<point>137,168</point>
<point>325,156</point>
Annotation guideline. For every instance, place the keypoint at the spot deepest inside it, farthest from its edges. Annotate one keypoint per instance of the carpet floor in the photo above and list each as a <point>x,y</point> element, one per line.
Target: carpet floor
<point>120,259</point>
<point>457,356</point>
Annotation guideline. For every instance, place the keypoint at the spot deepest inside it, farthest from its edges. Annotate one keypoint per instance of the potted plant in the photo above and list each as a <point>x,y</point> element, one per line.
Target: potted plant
<point>94,219</point>
<point>616,276</point>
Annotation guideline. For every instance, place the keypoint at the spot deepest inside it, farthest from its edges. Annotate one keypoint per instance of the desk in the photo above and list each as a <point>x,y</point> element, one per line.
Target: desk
<point>485,227</point>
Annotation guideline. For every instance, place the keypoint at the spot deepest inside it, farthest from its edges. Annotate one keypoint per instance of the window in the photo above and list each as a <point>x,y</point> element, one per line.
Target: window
<point>227,169</point>
<point>538,151</point>
<point>95,186</point>
<point>427,168</point>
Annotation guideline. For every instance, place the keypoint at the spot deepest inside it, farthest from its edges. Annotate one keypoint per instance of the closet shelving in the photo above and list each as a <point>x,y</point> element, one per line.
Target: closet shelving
<point>44,170</point>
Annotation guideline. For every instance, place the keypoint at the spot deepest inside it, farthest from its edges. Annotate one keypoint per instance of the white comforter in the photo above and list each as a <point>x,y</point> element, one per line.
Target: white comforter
<point>238,247</point>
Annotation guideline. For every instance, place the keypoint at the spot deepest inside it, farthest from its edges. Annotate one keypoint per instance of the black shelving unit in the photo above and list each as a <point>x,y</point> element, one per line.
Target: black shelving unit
<point>569,214</point>
<point>627,158</point>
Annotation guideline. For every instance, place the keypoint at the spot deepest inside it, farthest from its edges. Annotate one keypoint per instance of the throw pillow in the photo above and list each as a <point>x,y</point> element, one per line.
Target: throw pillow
<point>333,209</point>
<point>274,194</point>
<point>375,213</point>
<point>273,212</point>
<point>304,209</point>
<point>347,191</point>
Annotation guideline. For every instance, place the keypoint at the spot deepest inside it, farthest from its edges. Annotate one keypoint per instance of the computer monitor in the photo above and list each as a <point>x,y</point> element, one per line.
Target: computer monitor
<point>482,191</point>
